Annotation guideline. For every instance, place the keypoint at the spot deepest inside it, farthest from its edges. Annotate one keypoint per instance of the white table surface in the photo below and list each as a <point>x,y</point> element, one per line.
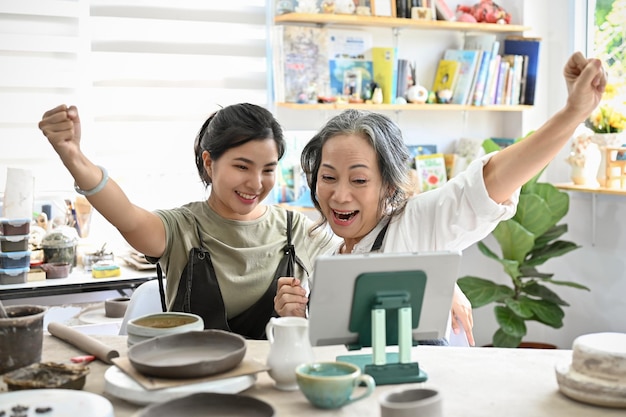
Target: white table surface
<point>474,382</point>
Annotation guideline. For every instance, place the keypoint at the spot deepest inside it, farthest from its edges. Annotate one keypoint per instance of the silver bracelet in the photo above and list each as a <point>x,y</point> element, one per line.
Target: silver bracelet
<point>97,188</point>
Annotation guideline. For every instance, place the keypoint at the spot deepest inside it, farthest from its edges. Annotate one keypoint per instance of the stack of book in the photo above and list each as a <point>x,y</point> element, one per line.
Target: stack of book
<point>487,77</point>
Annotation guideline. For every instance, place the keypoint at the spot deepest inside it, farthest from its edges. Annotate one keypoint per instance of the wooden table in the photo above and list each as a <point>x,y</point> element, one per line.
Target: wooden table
<point>474,382</point>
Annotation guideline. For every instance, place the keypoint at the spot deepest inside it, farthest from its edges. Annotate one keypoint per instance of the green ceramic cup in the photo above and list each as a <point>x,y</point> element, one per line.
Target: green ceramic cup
<point>333,384</point>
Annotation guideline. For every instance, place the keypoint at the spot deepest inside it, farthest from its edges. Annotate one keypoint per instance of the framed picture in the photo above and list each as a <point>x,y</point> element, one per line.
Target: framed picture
<point>383,8</point>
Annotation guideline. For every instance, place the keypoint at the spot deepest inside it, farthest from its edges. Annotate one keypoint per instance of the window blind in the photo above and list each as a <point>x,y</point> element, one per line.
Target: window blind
<point>144,74</point>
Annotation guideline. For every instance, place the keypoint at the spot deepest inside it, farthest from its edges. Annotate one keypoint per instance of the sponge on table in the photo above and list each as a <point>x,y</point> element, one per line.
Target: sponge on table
<point>105,270</point>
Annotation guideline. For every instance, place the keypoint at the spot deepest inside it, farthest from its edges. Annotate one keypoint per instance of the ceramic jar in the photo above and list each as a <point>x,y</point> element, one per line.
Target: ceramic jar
<point>59,246</point>
<point>604,141</point>
<point>289,347</point>
<point>584,159</point>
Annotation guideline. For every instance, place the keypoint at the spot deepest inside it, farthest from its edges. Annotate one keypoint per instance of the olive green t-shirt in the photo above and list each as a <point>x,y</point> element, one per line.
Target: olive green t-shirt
<point>245,254</point>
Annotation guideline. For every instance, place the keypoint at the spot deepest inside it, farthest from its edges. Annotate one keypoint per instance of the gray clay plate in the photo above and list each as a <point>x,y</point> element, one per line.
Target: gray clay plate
<point>188,355</point>
<point>210,404</point>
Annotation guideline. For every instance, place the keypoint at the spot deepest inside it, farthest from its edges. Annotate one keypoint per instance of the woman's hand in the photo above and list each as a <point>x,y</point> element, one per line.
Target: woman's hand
<point>61,126</point>
<point>291,299</point>
<point>462,312</point>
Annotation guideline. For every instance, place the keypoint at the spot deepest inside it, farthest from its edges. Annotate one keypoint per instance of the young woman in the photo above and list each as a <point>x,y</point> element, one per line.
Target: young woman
<point>356,167</point>
<point>222,256</point>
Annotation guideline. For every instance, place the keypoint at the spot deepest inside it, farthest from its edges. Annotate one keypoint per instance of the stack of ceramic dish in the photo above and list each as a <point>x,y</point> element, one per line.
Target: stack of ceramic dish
<point>14,254</point>
<point>169,367</point>
<point>597,372</point>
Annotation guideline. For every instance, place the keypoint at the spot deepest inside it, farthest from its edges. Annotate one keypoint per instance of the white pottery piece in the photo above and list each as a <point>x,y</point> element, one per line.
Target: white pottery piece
<point>289,347</point>
<point>597,372</point>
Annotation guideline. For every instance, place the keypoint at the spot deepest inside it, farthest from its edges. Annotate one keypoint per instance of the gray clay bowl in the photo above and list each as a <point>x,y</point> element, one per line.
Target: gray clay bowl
<point>210,404</point>
<point>192,354</point>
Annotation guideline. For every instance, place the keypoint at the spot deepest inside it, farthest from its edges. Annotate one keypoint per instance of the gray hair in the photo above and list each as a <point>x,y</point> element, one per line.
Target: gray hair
<point>385,138</point>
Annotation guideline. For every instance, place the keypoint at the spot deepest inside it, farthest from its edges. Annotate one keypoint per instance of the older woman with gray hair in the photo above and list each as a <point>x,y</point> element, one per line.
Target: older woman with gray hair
<point>357,169</point>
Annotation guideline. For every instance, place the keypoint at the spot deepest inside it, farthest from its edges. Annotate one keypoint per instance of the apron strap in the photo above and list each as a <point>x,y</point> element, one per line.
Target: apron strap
<point>378,243</point>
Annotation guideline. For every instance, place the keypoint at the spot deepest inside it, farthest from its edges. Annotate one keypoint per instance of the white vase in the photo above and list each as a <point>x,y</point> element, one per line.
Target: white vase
<point>584,160</point>
<point>606,140</point>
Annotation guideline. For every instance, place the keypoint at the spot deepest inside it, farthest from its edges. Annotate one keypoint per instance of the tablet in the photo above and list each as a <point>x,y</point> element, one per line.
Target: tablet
<point>428,277</point>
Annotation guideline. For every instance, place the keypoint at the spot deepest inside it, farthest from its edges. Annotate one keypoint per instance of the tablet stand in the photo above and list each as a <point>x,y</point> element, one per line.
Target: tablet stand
<point>382,294</point>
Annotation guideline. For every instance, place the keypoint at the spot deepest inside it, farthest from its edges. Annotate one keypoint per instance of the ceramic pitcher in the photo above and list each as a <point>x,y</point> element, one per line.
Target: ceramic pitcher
<point>289,347</point>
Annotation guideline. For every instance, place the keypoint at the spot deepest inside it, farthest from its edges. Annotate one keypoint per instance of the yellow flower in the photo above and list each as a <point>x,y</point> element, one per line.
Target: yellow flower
<point>610,115</point>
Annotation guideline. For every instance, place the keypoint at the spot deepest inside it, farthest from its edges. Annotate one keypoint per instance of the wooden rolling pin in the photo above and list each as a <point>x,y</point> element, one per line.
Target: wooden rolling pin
<point>84,342</point>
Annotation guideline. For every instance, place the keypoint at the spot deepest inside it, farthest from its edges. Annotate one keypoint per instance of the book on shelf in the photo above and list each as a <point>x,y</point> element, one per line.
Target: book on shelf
<point>481,79</point>
<point>503,142</point>
<point>516,63</point>
<point>431,171</point>
<point>385,68</point>
<point>402,9</point>
<point>492,81</point>
<point>489,45</point>
<point>447,75</point>
<point>444,12</point>
<point>350,62</point>
<point>417,150</point>
<point>405,77</point>
<point>502,80</point>
<point>468,63</point>
<point>451,165</point>
<point>303,63</point>
<point>521,45</point>
<point>522,88</point>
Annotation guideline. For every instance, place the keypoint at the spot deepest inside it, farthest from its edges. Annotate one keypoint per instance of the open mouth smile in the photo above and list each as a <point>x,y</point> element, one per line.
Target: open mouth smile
<point>344,216</point>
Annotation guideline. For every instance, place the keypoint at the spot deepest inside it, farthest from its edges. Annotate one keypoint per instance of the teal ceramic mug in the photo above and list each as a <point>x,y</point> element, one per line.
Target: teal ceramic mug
<point>333,384</point>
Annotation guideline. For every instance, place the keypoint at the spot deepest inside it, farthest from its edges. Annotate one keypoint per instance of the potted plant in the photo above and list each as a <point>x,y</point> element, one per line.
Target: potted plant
<point>526,241</point>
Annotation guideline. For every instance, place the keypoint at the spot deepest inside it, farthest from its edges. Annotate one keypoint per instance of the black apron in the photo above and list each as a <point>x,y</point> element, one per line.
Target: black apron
<point>199,292</point>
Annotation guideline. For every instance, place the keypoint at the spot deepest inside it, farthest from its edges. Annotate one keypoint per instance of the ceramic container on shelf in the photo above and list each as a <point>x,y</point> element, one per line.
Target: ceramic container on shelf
<point>289,347</point>
<point>604,141</point>
<point>584,159</point>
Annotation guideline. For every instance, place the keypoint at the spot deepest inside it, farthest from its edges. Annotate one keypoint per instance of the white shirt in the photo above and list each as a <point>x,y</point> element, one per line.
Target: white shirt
<point>452,217</point>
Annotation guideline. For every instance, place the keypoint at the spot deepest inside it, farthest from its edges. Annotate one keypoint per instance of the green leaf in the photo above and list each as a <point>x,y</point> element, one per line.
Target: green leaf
<point>501,339</point>
<point>487,252</point>
<point>481,291</point>
<point>552,250</point>
<point>557,200</point>
<point>531,272</point>
<point>548,313</point>
<point>514,239</point>
<point>520,307</point>
<point>543,293</point>
<point>490,146</point>
<point>534,214</point>
<point>570,284</point>
<point>509,322</point>
<point>554,233</point>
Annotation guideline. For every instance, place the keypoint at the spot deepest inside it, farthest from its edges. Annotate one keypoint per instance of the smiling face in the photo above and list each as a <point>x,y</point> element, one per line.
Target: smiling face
<point>350,187</point>
<point>241,178</point>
